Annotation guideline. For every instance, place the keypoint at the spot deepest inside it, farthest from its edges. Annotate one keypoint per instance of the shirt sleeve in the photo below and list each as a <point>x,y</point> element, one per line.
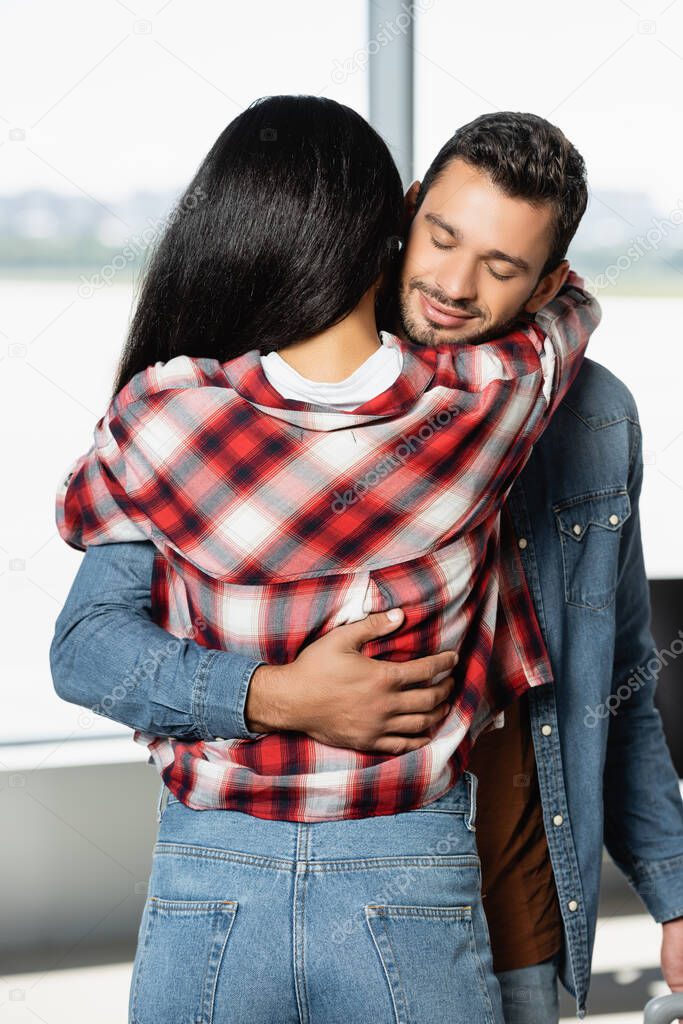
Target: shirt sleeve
<point>111,493</point>
<point>156,471</point>
<point>553,341</point>
<point>109,655</point>
<point>92,508</point>
<point>568,322</point>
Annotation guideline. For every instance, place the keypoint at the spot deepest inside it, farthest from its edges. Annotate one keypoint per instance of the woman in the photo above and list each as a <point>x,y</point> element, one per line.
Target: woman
<point>313,219</point>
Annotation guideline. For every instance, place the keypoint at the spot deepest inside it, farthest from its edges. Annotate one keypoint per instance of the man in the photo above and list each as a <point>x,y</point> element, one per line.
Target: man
<point>489,231</point>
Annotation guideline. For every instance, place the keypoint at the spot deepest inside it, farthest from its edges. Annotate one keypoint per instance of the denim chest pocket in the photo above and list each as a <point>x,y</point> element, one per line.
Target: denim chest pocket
<point>589,527</point>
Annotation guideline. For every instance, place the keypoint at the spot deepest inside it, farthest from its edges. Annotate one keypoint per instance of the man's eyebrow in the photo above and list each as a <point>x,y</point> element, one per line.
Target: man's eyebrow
<point>455,233</point>
<point>516,261</point>
<point>492,254</point>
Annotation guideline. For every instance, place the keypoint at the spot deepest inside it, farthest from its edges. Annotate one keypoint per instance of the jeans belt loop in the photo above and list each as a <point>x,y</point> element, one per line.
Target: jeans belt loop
<point>161,797</point>
<point>471,819</point>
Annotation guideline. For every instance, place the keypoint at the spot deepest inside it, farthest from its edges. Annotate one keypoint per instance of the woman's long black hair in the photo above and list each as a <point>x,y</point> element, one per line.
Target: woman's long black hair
<point>294,213</point>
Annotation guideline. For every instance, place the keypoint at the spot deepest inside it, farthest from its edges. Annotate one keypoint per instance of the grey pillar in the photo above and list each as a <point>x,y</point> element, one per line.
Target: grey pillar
<point>390,64</point>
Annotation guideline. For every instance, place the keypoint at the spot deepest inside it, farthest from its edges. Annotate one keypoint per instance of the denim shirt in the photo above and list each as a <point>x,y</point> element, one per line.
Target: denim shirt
<point>605,773</point>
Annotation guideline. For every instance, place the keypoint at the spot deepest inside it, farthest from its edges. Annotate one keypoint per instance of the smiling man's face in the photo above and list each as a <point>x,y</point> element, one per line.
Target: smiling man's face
<point>473,260</point>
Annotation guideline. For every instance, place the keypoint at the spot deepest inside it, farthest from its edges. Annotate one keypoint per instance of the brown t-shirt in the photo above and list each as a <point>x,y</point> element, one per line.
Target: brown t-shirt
<point>519,892</point>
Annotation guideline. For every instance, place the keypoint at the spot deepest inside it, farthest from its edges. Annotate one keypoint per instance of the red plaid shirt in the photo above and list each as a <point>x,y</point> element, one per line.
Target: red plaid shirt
<point>277,520</point>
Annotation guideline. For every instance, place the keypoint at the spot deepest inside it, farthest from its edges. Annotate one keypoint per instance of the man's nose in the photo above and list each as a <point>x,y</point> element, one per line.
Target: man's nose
<point>458,281</point>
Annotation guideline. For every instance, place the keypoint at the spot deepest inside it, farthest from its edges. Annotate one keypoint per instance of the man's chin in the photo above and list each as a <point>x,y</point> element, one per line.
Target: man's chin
<point>433,334</point>
<point>468,332</point>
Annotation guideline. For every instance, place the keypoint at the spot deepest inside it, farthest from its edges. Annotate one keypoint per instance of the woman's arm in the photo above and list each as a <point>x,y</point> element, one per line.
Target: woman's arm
<point>556,337</point>
<point>568,321</point>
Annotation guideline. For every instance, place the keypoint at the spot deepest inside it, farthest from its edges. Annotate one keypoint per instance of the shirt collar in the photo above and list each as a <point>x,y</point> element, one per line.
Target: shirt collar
<point>246,375</point>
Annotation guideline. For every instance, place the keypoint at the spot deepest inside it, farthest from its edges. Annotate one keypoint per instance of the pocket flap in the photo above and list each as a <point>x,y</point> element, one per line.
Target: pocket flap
<point>609,510</point>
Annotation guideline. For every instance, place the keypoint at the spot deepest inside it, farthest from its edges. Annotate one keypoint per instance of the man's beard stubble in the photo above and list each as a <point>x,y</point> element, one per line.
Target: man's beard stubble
<point>432,336</point>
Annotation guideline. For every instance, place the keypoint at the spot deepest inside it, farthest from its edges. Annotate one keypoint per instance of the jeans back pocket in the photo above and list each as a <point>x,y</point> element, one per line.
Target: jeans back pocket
<point>430,960</point>
<point>179,954</point>
<point>589,527</point>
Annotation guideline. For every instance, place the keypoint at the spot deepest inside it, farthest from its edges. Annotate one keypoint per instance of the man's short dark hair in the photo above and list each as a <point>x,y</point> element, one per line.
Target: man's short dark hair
<point>527,158</point>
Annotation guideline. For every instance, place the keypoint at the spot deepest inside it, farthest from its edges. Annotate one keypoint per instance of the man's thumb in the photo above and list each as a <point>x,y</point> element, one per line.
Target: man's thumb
<point>373,625</point>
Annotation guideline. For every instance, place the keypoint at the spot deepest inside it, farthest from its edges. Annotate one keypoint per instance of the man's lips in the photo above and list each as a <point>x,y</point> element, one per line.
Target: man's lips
<point>440,315</point>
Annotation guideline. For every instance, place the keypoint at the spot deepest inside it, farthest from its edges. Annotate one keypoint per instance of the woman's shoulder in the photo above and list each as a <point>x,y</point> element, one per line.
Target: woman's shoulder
<point>175,375</point>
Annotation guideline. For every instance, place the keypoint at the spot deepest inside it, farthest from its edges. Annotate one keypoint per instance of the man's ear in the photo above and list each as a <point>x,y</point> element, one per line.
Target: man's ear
<point>548,287</point>
<point>411,199</point>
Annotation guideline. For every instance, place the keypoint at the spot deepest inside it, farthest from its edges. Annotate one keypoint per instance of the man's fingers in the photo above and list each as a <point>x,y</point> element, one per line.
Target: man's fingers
<point>403,673</point>
<point>398,744</point>
<point>355,634</point>
<point>419,700</point>
<point>407,725</point>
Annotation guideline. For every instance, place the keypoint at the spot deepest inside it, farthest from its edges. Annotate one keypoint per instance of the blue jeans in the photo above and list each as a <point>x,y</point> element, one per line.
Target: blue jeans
<point>530,994</point>
<point>378,919</point>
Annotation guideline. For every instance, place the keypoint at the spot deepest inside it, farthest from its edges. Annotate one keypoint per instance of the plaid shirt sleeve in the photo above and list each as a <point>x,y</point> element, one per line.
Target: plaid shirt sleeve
<point>568,322</point>
<point>95,502</point>
<point>555,338</point>
<point>93,508</point>
<point>101,500</point>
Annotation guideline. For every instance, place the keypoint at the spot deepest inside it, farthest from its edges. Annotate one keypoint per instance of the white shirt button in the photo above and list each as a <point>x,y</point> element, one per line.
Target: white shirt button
<point>576,528</point>
<point>219,739</point>
<point>573,905</point>
<point>557,819</point>
<point>614,519</point>
<point>546,729</point>
<point>522,542</point>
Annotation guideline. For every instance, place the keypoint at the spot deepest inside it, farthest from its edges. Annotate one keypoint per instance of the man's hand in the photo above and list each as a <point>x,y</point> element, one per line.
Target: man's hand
<point>341,697</point>
<point>672,954</point>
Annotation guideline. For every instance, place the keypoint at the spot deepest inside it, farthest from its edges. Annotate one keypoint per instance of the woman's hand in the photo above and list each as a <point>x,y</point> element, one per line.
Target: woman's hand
<point>343,698</point>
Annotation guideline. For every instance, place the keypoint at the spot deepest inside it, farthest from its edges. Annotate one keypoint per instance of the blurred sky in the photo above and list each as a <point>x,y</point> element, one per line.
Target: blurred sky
<point>114,96</point>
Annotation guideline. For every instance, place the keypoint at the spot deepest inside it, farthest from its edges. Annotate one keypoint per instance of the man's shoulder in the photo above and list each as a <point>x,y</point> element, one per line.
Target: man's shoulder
<point>589,446</point>
<point>599,398</point>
